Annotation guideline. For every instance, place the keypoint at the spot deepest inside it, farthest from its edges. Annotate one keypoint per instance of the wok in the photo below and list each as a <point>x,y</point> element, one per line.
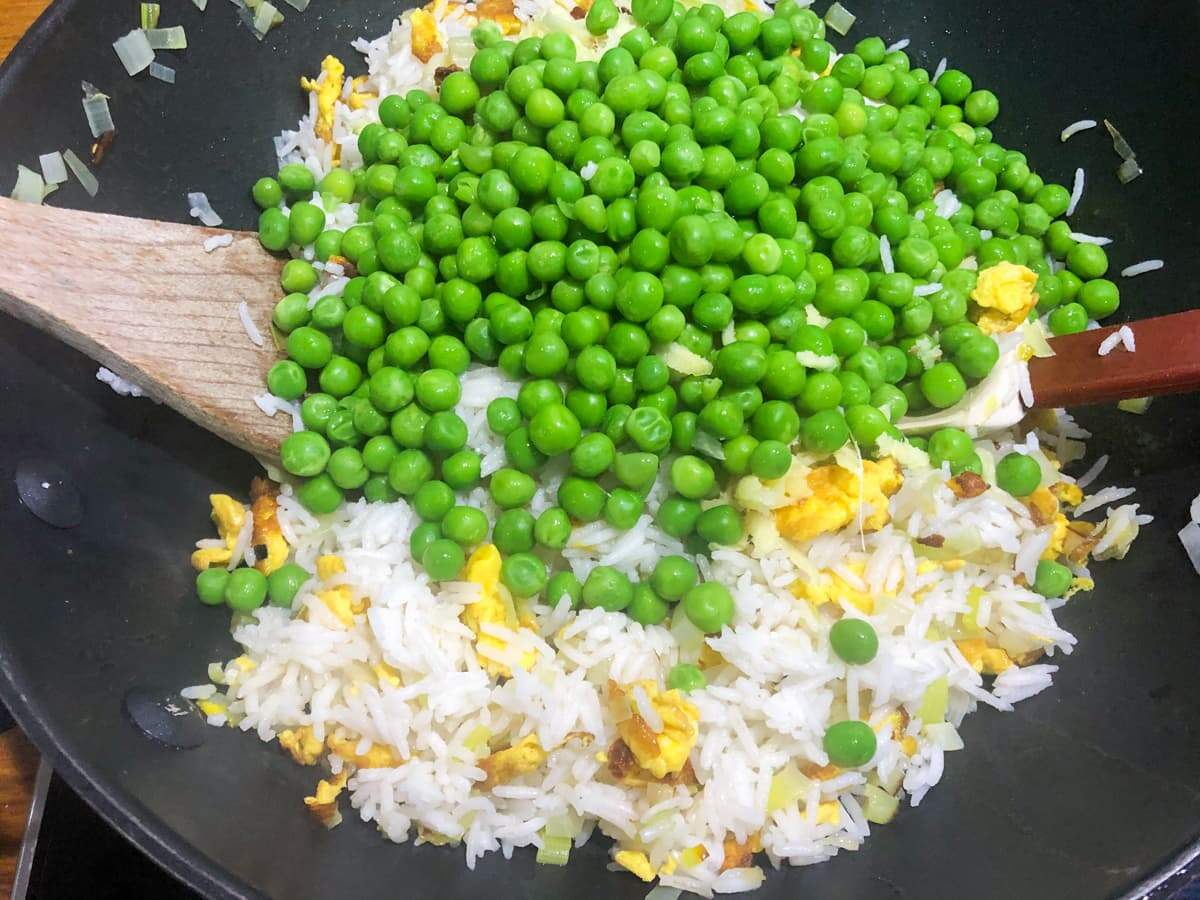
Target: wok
<point>1090,789</point>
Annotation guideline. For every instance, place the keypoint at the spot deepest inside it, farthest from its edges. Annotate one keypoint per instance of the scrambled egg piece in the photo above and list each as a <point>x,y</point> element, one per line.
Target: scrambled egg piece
<point>665,752</point>
<point>898,719</point>
<point>624,769</point>
<point>636,862</point>
<point>323,802</point>
<point>302,745</point>
<point>339,599</point>
<point>502,13</point>
<point>1068,494</point>
<point>984,659</point>
<point>1058,538</point>
<point>229,517</point>
<point>739,855</point>
<point>425,42</point>
<point>520,759</point>
<point>830,587</point>
<point>492,607</point>
<point>834,502</point>
<point>210,707</point>
<point>829,813</point>
<point>267,533</point>
<point>358,97</point>
<point>1004,294</point>
<point>378,756</point>
<point>328,92</point>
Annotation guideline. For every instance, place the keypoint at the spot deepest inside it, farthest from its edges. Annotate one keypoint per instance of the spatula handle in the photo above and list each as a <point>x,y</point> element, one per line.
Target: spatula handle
<point>144,299</point>
<point>1167,361</point>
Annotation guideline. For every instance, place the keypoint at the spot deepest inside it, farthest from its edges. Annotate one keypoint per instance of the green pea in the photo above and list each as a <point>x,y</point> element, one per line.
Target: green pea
<point>692,477</point>
<point>709,606</point>
<point>513,531</point>
<point>850,744</point>
<point>854,640</point>
<point>443,559</point>
<point>1018,474</point>
<point>582,499</point>
<point>686,677</point>
<point>320,495</point>
<point>554,429</point>
<point>646,607</point>
<point>607,588</point>
<point>552,529</point>
<point>210,586</point>
<point>674,576</point>
<point>720,525</point>
<point>284,583</point>
<point>564,585</point>
<point>304,453</point>
<point>1053,579</point>
<point>465,525</point>
<point>245,590</point>
<point>523,574</point>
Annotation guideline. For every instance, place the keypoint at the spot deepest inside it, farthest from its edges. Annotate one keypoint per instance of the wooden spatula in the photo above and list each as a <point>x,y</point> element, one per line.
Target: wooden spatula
<point>145,300</point>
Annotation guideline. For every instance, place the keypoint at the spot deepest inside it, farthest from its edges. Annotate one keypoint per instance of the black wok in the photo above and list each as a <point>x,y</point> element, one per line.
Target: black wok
<point>1091,789</point>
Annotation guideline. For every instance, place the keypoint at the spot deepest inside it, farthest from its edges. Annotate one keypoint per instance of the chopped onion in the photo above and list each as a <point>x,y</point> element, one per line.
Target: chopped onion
<point>29,187</point>
<point>302,5</point>
<point>662,892</point>
<point>54,170</point>
<point>173,38</point>
<point>1194,509</point>
<point>200,208</point>
<point>201,4</point>
<point>81,172</point>
<point>934,702</point>
<point>1135,405</point>
<point>879,807</point>
<point>555,851</point>
<point>266,17</point>
<point>839,18</point>
<point>1189,536</point>
<point>788,785</point>
<point>1119,143</point>
<point>162,73</point>
<point>944,735</point>
<point>149,15</point>
<point>134,51</point>
<point>95,107</point>
<point>1128,171</point>
<point>460,50</point>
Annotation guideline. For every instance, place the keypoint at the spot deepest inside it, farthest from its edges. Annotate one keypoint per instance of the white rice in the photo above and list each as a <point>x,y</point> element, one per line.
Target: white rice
<point>885,254</point>
<point>200,208</point>
<point>1128,340</point>
<point>1109,344</point>
<point>217,241</point>
<point>1149,265</point>
<point>901,44</point>
<point>1075,127</point>
<point>1104,497</point>
<point>1092,473</point>
<point>924,290</point>
<point>938,70</point>
<point>773,683</point>
<point>1076,194</point>
<point>1081,238</point>
<point>122,386</point>
<point>252,331</point>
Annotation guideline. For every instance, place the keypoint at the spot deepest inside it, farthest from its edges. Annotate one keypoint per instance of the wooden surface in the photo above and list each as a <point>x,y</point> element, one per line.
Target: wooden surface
<point>1167,361</point>
<point>146,300</point>
<point>15,17</point>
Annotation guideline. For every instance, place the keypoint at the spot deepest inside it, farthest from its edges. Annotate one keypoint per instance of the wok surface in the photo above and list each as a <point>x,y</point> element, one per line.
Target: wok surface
<point>1089,789</point>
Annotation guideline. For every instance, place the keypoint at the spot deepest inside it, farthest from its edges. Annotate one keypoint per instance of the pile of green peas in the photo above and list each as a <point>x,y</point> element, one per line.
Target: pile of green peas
<point>569,220</point>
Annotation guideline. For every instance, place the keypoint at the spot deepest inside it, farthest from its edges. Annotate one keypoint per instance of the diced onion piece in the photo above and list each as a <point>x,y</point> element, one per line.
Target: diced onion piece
<point>173,38</point>
<point>1194,509</point>
<point>162,73</point>
<point>149,15</point>
<point>1189,536</point>
<point>134,51</point>
<point>201,4</point>
<point>879,807</point>
<point>1128,171</point>
<point>688,638</point>
<point>944,735</point>
<point>299,5</point>
<point>1119,143</point>
<point>265,18</point>
<point>555,851</point>
<point>1035,338</point>
<point>29,187</point>
<point>662,892</point>
<point>460,50</point>
<point>1135,405</point>
<point>81,172</point>
<point>839,18</point>
<point>99,118</point>
<point>686,362</point>
<point>568,825</point>
<point>54,170</point>
<point>708,445</point>
<point>788,785</point>
<point>934,701</point>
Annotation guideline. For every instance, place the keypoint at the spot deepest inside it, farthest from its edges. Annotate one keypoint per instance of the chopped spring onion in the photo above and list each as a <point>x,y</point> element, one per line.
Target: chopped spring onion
<point>201,4</point>
<point>1128,171</point>
<point>1119,143</point>
<point>788,785</point>
<point>82,172</point>
<point>54,170</point>
<point>298,5</point>
<point>555,851</point>
<point>134,51</point>
<point>173,38</point>
<point>162,73</point>
<point>944,735</point>
<point>149,15</point>
<point>200,208</point>
<point>95,107</point>
<point>879,807</point>
<point>935,701</point>
<point>1135,405</point>
<point>29,187</point>
<point>839,18</point>
<point>662,892</point>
